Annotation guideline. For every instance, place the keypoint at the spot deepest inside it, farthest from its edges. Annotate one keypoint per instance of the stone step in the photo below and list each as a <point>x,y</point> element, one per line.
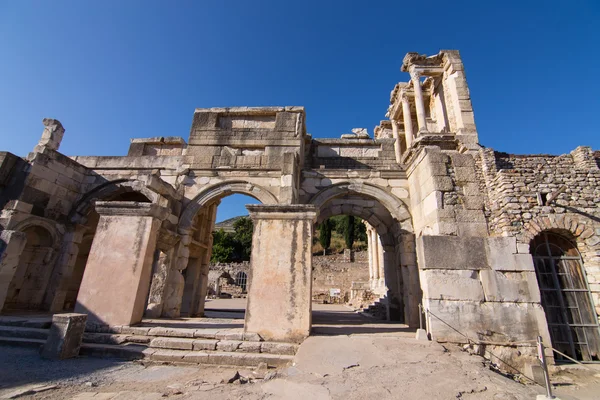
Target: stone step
<point>195,344</point>
<point>200,333</point>
<point>21,342</point>
<point>137,352</point>
<point>34,322</point>
<point>22,332</point>
<point>134,352</point>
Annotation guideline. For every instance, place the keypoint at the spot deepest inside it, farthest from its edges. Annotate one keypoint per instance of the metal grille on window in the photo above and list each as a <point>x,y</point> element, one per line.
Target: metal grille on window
<point>240,280</point>
<point>566,298</point>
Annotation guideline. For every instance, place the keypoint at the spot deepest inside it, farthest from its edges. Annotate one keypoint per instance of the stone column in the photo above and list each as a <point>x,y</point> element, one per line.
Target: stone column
<point>280,284</point>
<point>408,126</point>
<point>380,263</point>
<point>375,257</point>
<point>117,277</point>
<point>419,104</point>
<point>397,149</point>
<point>369,247</point>
<point>12,244</point>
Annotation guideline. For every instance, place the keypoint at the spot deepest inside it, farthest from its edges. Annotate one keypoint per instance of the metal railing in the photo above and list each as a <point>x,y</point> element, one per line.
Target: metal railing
<point>538,343</point>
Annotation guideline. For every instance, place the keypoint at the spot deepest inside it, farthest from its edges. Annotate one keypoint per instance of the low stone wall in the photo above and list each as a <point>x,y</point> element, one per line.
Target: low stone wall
<point>222,278</point>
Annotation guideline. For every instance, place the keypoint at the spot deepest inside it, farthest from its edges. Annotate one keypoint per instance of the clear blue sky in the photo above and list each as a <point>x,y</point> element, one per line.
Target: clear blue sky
<point>112,70</point>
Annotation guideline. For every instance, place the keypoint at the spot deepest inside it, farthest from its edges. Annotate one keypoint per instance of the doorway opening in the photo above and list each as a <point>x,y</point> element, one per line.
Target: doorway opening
<point>566,297</point>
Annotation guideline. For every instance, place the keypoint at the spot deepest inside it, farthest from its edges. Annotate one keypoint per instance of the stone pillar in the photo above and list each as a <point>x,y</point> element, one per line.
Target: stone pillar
<point>369,247</point>
<point>203,290</point>
<point>408,126</point>
<point>375,257</point>
<point>59,286</point>
<point>280,285</point>
<point>160,275</point>
<point>175,281</point>
<point>66,334</point>
<point>397,149</point>
<point>117,277</point>
<point>192,286</point>
<point>12,244</point>
<point>419,103</point>
<point>380,263</point>
<point>205,261</point>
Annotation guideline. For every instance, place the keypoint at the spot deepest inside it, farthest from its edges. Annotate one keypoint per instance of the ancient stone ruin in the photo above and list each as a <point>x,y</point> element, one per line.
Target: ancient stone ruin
<point>500,247</point>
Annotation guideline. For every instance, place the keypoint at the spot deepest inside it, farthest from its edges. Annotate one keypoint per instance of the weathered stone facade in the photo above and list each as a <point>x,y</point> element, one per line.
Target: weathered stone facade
<point>451,222</point>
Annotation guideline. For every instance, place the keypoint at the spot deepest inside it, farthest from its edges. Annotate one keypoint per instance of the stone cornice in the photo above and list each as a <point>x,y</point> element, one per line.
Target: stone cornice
<point>131,208</point>
<point>283,211</point>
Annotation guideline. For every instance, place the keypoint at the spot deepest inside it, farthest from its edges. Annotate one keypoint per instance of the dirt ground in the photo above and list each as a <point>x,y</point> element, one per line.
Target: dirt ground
<point>352,358</point>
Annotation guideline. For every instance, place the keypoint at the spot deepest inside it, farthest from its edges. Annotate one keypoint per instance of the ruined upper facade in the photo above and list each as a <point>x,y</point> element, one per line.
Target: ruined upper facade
<point>502,248</point>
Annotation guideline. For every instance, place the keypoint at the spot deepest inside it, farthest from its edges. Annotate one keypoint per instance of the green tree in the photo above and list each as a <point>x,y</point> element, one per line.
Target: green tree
<point>348,229</point>
<point>325,235</point>
<point>243,237</point>
<point>360,230</point>
<point>223,247</point>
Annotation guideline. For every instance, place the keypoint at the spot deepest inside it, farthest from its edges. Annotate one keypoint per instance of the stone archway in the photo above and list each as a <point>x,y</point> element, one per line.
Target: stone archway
<point>29,282</point>
<point>582,229</point>
<point>393,258</point>
<point>215,192</point>
<point>188,277</point>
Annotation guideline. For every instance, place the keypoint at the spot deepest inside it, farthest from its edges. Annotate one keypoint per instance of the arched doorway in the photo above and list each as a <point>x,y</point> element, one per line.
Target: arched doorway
<point>88,219</point>
<point>392,261</point>
<point>566,297</point>
<point>198,223</point>
<point>29,283</point>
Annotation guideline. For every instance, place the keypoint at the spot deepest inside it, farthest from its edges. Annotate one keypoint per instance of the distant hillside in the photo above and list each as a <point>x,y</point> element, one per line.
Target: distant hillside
<point>227,225</point>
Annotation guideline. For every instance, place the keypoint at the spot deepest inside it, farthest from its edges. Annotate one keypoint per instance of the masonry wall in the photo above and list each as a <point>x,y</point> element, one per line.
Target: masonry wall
<point>335,272</point>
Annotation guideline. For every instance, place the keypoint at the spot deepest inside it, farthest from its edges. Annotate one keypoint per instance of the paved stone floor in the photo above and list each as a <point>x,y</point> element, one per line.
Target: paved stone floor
<point>348,357</point>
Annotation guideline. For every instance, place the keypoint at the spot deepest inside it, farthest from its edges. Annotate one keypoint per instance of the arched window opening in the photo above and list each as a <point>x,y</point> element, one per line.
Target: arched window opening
<point>240,279</point>
<point>566,297</point>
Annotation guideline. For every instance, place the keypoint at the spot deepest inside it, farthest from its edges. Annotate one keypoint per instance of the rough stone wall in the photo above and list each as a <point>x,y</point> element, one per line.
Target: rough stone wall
<point>216,271</point>
<point>335,272</point>
<point>529,194</point>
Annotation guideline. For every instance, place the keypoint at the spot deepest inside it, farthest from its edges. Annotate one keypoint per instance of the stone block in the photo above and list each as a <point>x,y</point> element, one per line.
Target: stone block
<point>472,229</point>
<point>196,357</point>
<point>466,252</point>
<point>65,336</point>
<point>476,216</point>
<point>52,135</point>
<point>518,287</point>
<point>249,347</point>
<point>206,344</point>
<point>462,160</point>
<point>488,321</point>
<point>451,285</point>
<point>172,343</point>
<point>228,345</point>
<point>278,348</point>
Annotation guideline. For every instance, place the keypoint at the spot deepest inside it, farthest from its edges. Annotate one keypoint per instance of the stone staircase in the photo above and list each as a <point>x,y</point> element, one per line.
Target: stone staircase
<point>163,344</point>
<point>377,309</point>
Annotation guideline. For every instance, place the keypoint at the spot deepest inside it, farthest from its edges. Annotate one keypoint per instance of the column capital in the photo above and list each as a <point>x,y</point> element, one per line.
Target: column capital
<point>283,211</point>
<point>404,97</point>
<point>414,74</point>
<point>131,208</point>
